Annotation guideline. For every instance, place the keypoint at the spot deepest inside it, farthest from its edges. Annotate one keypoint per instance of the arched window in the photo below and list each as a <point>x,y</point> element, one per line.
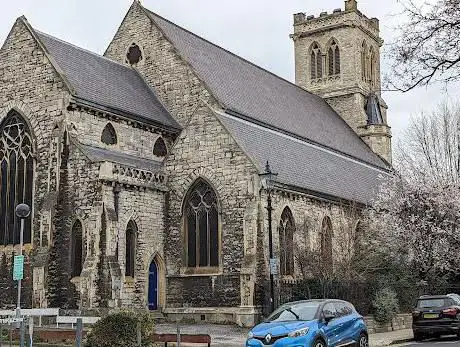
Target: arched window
<point>109,135</point>
<point>134,54</point>
<point>326,243</point>
<point>364,61</point>
<point>160,149</point>
<point>372,66</point>
<point>316,62</point>
<point>76,249</point>
<point>201,219</point>
<point>333,59</point>
<point>286,230</point>
<point>16,176</point>
<point>130,255</point>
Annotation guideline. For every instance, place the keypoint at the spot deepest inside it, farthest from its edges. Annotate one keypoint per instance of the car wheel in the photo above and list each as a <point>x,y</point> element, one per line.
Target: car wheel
<point>319,343</point>
<point>363,341</point>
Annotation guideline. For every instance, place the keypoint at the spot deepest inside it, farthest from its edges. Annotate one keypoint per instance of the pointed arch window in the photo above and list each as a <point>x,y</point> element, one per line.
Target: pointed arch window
<point>286,230</point>
<point>16,176</point>
<point>326,243</point>
<point>76,249</point>
<point>364,61</point>
<point>201,219</point>
<point>316,62</point>
<point>372,67</point>
<point>333,59</point>
<point>109,135</point>
<point>130,253</point>
<point>160,149</point>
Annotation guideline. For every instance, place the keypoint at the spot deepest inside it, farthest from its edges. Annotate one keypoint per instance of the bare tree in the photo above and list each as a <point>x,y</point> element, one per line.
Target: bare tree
<point>428,47</point>
<point>429,150</point>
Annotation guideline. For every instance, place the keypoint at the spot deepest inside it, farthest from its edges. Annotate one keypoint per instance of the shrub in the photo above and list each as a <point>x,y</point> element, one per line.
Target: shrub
<point>385,305</point>
<point>120,330</point>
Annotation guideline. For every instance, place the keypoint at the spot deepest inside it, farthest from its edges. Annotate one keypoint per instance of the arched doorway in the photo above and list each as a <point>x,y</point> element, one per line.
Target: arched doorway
<point>153,286</point>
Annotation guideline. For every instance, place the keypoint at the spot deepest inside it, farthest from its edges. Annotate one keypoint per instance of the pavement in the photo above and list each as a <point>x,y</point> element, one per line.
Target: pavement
<point>233,336</point>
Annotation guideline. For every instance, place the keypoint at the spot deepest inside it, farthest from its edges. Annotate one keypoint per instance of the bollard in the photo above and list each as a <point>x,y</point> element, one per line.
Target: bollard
<point>79,332</point>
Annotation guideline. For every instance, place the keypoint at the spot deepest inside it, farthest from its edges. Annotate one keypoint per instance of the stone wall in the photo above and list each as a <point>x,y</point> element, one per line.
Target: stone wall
<point>31,86</point>
<point>206,150</point>
<point>400,322</point>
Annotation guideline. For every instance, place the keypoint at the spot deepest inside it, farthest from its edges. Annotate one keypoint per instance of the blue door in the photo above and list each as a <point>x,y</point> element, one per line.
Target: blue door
<point>153,286</point>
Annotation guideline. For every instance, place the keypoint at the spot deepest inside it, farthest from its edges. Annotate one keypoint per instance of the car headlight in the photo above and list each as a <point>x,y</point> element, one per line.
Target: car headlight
<point>250,335</point>
<point>300,332</point>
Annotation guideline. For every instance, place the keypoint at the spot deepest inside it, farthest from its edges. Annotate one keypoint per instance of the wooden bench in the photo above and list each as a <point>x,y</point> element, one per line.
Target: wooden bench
<point>73,320</point>
<point>186,338</point>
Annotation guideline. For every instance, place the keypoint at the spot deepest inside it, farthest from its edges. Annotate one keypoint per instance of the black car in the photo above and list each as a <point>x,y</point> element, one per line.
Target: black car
<point>436,315</point>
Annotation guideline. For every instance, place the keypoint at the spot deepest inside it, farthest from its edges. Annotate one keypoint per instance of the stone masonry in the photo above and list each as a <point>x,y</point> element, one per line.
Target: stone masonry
<point>110,186</point>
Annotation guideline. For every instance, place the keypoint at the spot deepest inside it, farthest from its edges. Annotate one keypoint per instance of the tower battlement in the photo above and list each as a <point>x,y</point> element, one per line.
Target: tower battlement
<point>338,58</point>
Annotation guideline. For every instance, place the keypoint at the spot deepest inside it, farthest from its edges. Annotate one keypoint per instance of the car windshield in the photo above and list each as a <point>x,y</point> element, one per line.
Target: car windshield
<point>433,303</point>
<point>292,312</point>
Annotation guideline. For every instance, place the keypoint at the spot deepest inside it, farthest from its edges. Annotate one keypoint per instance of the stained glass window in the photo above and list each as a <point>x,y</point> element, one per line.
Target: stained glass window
<point>77,249</point>
<point>16,176</point>
<point>201,223</point>
<point>286,230</point>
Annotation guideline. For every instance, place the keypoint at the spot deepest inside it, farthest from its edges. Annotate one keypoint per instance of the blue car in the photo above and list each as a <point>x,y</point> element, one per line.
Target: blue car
<point>311,323</point>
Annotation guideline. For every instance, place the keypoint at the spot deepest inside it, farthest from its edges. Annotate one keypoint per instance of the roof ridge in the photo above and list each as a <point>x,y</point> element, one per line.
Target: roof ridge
<point>83,49</point>
<point>306,141</point>
<point>234,54</point>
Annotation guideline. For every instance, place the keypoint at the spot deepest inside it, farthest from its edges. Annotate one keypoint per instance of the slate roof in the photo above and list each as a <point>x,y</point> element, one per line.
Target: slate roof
<point>266,98</point>
<point>305,165</point>
<point>107,83</point>
<point>97,154</point>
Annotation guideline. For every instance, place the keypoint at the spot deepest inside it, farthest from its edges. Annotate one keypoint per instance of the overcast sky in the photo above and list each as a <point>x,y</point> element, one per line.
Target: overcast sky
<point>257,30</point>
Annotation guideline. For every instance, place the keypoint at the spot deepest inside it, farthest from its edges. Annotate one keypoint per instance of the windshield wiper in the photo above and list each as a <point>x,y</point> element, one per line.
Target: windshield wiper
<point>295,314</point>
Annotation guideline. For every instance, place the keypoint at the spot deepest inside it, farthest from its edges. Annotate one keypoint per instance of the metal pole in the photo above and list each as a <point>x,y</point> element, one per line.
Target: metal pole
<point>79,332</point>
<point>270,248</point>
<point>18,308</point>
<point>178,334</point>
<point>1,334</point>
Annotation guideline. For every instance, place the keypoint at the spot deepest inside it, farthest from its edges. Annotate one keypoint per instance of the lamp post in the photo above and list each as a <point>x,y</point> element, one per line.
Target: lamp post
<point>267,180</point>
<point>22,212</point>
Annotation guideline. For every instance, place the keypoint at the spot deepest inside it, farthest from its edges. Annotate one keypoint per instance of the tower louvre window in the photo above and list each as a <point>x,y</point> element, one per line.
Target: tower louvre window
<point>333,58</point>
<point>364,61</point>
<point>316,63</point>
<point>372,67</point>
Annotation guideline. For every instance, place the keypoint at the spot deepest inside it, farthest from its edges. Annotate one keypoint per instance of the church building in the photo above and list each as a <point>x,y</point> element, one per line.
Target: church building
<point>142,166</point>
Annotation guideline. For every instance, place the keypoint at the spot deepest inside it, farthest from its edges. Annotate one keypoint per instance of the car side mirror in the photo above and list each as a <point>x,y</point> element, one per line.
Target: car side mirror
<point>328,316</point>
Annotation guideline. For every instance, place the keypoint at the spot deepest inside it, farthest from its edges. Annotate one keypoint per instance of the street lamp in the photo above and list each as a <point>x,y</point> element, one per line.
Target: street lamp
<point>22,212</point>
<point>268,182</point>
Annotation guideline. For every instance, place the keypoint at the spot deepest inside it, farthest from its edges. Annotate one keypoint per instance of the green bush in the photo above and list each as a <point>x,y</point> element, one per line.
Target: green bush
<point>120,330</point>
<point>385,305</point>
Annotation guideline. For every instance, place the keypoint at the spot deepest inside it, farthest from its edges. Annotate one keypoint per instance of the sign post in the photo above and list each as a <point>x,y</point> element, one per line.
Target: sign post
<point>18,268</point>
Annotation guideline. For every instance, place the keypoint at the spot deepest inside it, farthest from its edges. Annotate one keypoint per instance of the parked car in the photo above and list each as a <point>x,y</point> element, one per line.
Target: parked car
<point>436,315</point>
<point>316,323</point>
<point>456,297</point>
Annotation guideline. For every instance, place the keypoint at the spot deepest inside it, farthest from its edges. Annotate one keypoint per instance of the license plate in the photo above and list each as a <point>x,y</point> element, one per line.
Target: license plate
<point>431,315</point>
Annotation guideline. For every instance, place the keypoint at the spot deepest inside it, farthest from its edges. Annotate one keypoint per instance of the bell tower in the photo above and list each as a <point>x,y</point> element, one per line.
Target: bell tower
<point>337,56</point>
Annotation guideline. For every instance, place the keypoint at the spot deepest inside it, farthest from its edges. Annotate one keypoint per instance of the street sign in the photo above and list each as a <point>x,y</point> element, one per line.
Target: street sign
<point>18,267</point>
<point>11,320</point>
<point>274,266</point>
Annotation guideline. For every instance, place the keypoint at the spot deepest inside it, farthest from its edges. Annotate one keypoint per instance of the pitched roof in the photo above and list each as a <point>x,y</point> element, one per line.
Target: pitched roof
<point>266,98</point>
<point>305,165</point>
<point>106,83</point>
<point>97,154</point>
